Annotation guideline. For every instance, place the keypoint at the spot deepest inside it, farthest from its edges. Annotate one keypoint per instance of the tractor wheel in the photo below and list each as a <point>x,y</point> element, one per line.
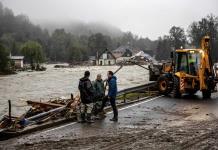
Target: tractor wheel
<point>206,93</point>
<point>176,88</point>
<point>192,92</point>
<point>164,85</point>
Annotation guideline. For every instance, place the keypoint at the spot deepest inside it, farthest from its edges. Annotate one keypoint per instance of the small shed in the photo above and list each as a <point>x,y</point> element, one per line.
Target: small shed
<point>18,61</point>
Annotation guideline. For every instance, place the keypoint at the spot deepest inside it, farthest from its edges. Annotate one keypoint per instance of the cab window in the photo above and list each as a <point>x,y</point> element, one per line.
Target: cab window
<point>181,64</point>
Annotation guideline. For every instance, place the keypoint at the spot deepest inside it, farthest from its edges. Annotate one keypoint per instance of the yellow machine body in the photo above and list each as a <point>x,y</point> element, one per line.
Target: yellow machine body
<point>201,63</point>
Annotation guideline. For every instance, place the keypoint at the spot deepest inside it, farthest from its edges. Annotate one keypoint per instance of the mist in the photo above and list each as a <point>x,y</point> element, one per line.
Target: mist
<point>142,17</point>
<point>82,28</point>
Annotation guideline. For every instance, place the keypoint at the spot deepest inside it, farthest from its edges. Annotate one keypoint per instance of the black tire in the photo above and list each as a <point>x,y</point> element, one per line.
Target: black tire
<point>206,93</point>
<point>176,88</point>
<point>164,85</point>
<point>192,92</point>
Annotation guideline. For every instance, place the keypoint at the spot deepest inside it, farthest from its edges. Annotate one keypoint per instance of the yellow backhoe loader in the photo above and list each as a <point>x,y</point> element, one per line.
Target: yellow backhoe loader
<point>189,71</point>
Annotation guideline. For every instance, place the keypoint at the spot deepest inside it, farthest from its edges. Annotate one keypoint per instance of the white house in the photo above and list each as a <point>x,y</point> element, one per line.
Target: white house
<point>18,61</point>
<point>106,59</point>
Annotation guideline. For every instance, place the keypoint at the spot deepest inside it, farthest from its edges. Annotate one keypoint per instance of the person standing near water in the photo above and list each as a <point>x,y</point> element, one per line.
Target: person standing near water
<point>98,85</point>
<point>112,93</point>
<point>86,95</point>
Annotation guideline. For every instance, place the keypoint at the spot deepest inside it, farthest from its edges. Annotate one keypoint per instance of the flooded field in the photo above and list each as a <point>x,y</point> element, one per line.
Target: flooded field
<point>58,82</point>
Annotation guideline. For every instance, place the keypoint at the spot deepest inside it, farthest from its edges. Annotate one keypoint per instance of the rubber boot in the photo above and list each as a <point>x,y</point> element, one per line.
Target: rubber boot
<point>83,118</point>
<point>115,119</point>
<point>89,119</point>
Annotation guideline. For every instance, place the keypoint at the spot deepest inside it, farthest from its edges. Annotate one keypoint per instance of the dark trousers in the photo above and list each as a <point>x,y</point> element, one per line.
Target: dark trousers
<point>113,105</point>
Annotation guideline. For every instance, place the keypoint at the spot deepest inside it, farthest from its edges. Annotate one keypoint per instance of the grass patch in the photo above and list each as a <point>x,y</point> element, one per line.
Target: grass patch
<point>132,96</point>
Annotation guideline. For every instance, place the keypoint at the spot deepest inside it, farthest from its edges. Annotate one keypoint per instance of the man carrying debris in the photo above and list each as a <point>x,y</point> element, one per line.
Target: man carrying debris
<point>86,95</point>
<point>98,85</point>
<point>112,93</point>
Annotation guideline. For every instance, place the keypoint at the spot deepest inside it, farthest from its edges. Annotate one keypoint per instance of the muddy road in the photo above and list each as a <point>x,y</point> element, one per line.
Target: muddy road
<point>161,122</point>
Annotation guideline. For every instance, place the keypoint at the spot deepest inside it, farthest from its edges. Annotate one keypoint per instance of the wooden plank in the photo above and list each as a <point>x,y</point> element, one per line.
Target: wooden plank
<point>44,104</point>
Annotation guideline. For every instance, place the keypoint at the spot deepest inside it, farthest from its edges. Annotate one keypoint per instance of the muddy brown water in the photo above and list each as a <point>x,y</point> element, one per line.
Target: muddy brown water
<point>58,82</point>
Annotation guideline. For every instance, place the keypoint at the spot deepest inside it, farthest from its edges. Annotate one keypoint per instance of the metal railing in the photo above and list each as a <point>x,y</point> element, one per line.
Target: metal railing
<point>148,86</point>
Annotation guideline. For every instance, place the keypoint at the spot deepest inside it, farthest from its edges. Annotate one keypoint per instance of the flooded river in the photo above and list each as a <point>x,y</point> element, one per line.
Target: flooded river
<point>58,82</point>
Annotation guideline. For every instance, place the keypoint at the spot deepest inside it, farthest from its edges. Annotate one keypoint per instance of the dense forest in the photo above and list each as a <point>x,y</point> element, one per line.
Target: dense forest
<point>65,44</point>
<point>76,42</point>
<point>177,38</point>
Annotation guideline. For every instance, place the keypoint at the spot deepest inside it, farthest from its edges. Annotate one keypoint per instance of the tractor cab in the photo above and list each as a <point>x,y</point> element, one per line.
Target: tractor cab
<point>187,67</point>
<point>187,61</point>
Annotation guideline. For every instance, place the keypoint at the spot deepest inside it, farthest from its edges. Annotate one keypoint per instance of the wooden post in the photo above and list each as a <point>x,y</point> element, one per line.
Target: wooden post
<point>124,96</point>
<point>9,110</point>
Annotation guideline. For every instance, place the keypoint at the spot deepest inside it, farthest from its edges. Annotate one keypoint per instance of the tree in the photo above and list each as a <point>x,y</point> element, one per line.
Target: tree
<point>177,37</point>
<point>59,43</point>
<point>60,40</point>
<point>98,42</point>
<point>4,59</point>
<point>163,48</point>
<point>76,52</point>
<point>128,39</point>
<point>206,26</point>
<point>33,53</point>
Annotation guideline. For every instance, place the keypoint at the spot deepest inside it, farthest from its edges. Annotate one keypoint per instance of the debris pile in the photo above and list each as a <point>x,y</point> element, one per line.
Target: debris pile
<point>40,113</point>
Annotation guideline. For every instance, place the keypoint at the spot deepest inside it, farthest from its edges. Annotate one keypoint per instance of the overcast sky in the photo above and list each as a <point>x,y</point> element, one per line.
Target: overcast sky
<point>147,18</point>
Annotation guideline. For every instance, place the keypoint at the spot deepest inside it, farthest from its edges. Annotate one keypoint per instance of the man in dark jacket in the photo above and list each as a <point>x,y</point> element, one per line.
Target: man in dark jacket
<point>86,95</point>
<point>112,93</point>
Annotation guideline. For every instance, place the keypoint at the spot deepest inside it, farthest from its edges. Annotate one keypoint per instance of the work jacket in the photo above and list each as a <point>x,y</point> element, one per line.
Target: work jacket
<point>112,83</point>
<point>99,88</point>
<point>86,90</point>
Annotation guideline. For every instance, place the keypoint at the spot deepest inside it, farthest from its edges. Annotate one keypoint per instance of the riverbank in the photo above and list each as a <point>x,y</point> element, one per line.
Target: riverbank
<point>7,73</point>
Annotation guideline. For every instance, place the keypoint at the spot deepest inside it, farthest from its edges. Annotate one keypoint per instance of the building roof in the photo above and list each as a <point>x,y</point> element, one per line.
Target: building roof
<point>17,57</point>
<point>108,52</point>
<point>143,55</point>
<point>120,51</point>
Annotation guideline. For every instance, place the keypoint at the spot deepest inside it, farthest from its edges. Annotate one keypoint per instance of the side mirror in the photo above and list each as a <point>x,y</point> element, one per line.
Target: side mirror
<point>171,55</point>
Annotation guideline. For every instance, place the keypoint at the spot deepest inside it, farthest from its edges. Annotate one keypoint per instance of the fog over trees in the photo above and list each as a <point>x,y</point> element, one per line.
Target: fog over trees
<point>79,28</point>
<point>76,41</point>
